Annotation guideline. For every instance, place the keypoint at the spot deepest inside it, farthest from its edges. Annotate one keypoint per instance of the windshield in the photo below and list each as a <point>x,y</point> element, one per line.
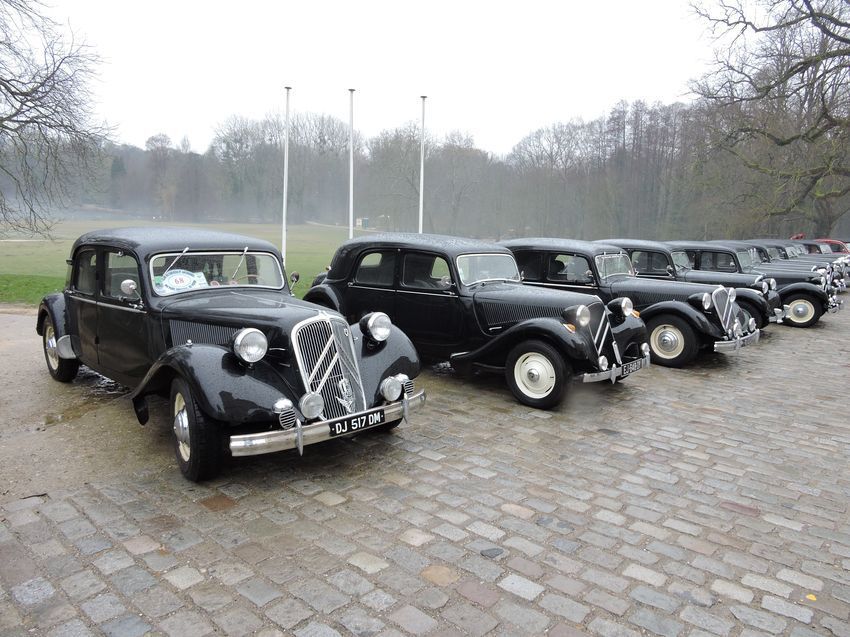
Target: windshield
<point>745,259</point>
<point>475,268</point>
<point>176,272</point>
<point>774,254</point>
<point>824,249</point>
<point>681,261</point>
<point>611,264</point>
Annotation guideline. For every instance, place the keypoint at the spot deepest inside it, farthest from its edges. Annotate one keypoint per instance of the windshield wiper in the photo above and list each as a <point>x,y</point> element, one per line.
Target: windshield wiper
<point>239,265</point>
<point>179,256</point>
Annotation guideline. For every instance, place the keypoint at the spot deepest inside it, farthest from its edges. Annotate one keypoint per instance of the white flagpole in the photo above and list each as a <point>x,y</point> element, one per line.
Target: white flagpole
<point>422,166</point>
<point>285,176</point>
<point>351,164</point>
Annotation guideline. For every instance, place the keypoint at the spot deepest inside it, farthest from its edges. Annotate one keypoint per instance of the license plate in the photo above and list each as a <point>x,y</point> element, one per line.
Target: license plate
<point>632,366</point>
<point>352,424</point>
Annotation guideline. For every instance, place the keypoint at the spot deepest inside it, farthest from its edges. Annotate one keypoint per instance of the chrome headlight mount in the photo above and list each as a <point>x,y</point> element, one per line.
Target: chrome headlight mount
<point>250,345</point>
<point>376,326</point>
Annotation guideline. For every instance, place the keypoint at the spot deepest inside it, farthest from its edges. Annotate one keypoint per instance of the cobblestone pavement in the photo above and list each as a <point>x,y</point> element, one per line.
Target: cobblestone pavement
<point>698,502</point>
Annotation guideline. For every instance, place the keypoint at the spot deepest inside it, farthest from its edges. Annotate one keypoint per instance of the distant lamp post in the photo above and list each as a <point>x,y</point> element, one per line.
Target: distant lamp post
<point>351,163</point>
<point>285,176</point>
<point>422,167</point>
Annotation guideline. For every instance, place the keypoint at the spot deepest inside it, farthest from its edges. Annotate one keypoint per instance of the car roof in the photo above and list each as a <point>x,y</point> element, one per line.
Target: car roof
<point>692,245</point>
<point>571,245</point>
<point>638,244</point>
<point>731,243</point>
<point>145,241</point>
<point>452,246</point>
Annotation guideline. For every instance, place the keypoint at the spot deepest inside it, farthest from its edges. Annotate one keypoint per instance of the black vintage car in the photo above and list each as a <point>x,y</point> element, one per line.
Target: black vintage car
<point>681,318</point>
<point>755,295</point>
<point>807,294</point>
<point>207,319</point>
<point>462,301</point>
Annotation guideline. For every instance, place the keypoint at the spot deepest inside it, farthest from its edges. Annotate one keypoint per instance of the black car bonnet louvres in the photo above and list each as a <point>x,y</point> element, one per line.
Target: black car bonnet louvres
<point>182,331</point>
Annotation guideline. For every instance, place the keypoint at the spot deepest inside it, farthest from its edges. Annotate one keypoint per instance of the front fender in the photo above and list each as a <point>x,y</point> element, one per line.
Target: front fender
<point>396,355</point>
<point>756,298</point>
<point>576,346</point>
<point>225,389</point>
<point>804,288</point>
<point>630,334</point>
<point>53,305</point>
<point>325,296</point>
<point>696,319</point>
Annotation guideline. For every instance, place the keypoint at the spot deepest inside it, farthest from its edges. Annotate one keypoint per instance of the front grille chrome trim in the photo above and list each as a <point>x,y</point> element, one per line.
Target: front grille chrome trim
<point>324,351</point>
<point>724,308</point>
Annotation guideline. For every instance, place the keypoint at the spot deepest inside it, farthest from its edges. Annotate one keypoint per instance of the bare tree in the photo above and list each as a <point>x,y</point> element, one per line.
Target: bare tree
<point>46,130</point>
<point>782,87</point>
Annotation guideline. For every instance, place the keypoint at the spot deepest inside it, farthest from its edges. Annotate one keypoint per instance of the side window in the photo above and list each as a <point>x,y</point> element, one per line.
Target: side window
<point>529,265</point>
<point>119,268</point>
<point>568,268</point>
<point>425,272</point>
<point>640,260</point>
<point>85,272</point>
<point>376,268</point>
<point>725,262</point>
<point>706,262</point>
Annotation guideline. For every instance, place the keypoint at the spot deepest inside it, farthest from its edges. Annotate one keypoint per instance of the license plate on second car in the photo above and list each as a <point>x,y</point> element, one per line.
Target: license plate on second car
<point>352,424</point>
<point>630,367</point>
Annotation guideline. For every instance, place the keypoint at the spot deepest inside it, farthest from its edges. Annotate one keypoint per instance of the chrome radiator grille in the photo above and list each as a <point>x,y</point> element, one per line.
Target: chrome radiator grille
<point>325,354</point>
<point>182,331</point>
<point>603,337</point>
<point>724,308</point>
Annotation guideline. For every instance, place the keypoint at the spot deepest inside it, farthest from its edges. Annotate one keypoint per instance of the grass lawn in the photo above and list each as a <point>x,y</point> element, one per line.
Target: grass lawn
<point>29,269</point>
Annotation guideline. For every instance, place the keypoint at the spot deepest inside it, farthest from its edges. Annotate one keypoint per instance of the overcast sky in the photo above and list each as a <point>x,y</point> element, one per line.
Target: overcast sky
<point>495,70</point>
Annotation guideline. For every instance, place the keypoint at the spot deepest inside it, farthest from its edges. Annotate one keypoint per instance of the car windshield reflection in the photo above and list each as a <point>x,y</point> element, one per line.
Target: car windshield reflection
<point>478,268</point>
<point>614,264</point>
<point>173,273</point>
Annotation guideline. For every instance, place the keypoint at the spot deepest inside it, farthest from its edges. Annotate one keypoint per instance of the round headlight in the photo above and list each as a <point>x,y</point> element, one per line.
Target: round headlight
<point>644,348</point>
<point>706,301</point>
<point>603,363</point>
<point>823,280</point>
<point>376,326</point>
<point>582,316</point>
<point>736,328</point>
<point>250,345</point>
<point>391,388</point>
<point>765,287</point>
<point>772,283</point>
<point>732,294</point>
<point>311,405</point>
<point>626,306</point>
<point>751,324</point>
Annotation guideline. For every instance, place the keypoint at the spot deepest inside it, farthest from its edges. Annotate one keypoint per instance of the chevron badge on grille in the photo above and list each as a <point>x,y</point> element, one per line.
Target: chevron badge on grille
<point>346,398</point>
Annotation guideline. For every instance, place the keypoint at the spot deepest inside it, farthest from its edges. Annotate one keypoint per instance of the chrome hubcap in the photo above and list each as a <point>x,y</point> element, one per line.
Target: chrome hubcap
<point>802,311</point>
<point>534,375</point>
<point>181,427</point>
<point>50,347</point>
<point>667,341</point>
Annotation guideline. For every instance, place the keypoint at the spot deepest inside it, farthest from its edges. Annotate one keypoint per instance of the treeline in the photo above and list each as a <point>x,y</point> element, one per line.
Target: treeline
<point>641,171</point>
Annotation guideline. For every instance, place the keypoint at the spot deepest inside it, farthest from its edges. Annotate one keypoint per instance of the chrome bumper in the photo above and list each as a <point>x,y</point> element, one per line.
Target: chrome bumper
<point>300,435</point>
<point>614,372</point>
<point>779,314</point>
<point>835,304</point>
<point>731,346</point>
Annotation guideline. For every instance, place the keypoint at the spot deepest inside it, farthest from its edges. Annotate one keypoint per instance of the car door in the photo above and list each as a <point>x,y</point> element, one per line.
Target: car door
<point>81,302</point>
<point>428,308</point>
<point>371,288</point>
<point>570,271</point>
<point>123,340</point>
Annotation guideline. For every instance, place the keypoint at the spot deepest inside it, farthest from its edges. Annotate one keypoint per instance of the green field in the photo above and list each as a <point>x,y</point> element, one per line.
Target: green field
<point>29,269</point>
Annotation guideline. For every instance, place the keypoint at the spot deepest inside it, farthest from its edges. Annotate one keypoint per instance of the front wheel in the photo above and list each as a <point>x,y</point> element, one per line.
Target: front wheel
<point>672,341</point>
<point>803,310</point>
<point>749,311</point>
<point>197,439</point>
<point>537,374</point>
<point>62,369</point>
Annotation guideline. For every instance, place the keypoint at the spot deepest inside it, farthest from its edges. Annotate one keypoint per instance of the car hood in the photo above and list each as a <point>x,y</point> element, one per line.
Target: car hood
<point>504,304</point>
<point>646,292</point>
<point>271,312</point>
<point>729,279</point>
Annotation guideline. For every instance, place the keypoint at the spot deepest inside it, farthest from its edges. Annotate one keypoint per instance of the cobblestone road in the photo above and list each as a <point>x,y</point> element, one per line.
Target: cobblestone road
<point>707,501</point>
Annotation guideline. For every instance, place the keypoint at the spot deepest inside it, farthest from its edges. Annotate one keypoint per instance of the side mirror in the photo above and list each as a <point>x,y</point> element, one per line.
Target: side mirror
<point>588,276</point>
<point>670,270</point>
<point>294,278</point>
<point>129,288</point>
<point>445,281</point>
